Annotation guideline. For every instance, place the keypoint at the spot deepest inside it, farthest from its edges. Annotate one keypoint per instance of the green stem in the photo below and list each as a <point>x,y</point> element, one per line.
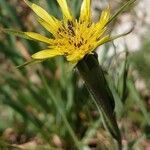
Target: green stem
<point>94,78</point>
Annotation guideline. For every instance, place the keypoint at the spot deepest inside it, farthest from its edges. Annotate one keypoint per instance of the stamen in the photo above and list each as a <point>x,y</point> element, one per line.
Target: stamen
<point>70,27</point>
<point>79,44</point>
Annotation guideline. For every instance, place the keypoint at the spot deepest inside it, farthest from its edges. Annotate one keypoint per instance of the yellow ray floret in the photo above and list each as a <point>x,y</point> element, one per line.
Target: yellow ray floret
<point>71,38</point>
<point>85,13</point>
<point>29,35</point>
<point>65,9</point>
<point>105,16</point>
<point>44,54</point>
<point>50,20</point>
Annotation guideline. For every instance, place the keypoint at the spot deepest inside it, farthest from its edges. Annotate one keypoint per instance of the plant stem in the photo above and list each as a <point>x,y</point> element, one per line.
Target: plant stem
<point>94,78</point>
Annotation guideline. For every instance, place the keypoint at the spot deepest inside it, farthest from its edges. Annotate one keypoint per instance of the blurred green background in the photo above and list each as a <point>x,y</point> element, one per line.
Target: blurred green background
<point>47,106</point>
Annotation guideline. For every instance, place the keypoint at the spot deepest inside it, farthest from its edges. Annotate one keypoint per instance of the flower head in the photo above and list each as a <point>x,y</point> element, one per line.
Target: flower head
<point>71,38</point>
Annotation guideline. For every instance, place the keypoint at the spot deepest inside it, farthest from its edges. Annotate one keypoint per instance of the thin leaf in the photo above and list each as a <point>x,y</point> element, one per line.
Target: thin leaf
<point>120,10</point>
<point>28,63</point>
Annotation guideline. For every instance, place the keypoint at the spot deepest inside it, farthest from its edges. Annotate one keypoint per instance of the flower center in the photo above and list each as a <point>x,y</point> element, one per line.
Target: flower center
<point>75,38</point>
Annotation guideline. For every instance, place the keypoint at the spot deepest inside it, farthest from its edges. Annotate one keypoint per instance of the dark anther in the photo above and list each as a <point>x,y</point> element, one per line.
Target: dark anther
<point>88,25</point>
<point>79,44</point>
<point>70,23</point>
<point>59,29</point>
<point>75,44</point>
<point>70,27</point>
<point>65,53</point>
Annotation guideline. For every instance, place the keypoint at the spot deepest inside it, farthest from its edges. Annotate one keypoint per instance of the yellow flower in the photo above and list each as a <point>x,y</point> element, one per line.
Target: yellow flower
<point>71,38</point>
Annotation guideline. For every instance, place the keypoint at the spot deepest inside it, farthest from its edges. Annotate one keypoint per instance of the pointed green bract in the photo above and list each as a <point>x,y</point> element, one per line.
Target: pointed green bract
<point>108,38</point>
<point>130,2</point>
<point>94,78</point>
<point>28,63</point>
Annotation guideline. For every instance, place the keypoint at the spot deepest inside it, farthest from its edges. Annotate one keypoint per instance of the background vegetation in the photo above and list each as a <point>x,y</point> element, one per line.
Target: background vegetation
<point>47,106</point>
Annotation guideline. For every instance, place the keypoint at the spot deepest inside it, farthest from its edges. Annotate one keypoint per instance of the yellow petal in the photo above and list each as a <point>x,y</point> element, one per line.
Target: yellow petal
<point>29,35</point>
<point>39,37</point>
<point>103,40</point>
<point>75,57</point>
<point>105,16</point>
<point>46,25</point>
<point>45,54</point>
<point>109,39</point>
<point>65,9</point>
<point>52,21</point>
<point>85,13</point>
